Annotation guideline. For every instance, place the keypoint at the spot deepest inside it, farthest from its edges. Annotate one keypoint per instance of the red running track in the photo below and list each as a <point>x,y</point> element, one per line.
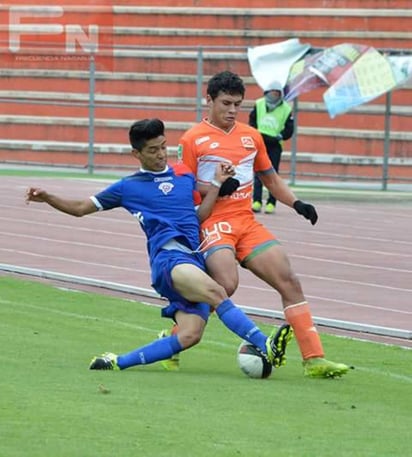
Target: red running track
<point>355,265</point>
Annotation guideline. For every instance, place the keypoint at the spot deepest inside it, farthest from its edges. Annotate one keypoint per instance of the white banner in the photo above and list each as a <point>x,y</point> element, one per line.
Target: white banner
<point>272,62</point>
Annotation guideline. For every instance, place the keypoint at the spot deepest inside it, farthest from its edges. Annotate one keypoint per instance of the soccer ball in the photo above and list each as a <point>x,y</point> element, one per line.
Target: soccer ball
<point>252,362</point>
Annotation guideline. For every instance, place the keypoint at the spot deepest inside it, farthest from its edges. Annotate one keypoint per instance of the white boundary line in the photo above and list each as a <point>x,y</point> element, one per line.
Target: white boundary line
<point>333,323</point>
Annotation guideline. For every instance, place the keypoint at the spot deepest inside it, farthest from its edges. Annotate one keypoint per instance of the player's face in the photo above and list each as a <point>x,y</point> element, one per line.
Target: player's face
<point>153,155</point>
<point>224,109</point>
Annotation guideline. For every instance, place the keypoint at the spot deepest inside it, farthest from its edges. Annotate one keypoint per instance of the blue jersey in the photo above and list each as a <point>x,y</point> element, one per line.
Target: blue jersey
<point>163,204</point>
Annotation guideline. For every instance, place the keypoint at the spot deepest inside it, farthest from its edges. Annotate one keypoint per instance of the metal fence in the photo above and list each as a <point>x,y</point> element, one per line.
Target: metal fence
<point>93,100</point>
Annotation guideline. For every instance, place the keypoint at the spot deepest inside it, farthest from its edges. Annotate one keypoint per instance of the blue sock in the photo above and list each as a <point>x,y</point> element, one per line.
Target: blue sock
<point>237,321</point>
<point>160,349</point>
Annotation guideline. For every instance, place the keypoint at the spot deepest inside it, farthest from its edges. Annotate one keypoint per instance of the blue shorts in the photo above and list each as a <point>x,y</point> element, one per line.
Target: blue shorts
<point>162,265</point>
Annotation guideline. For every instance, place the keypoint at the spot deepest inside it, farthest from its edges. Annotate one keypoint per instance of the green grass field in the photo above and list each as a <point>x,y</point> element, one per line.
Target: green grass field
<point>51,404</point>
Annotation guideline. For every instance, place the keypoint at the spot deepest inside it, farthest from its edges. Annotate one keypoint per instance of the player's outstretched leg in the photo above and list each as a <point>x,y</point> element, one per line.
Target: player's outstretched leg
<point>276,345</point>
<point>106,361</point>
<point>318,367</point>
<point>171,364</point>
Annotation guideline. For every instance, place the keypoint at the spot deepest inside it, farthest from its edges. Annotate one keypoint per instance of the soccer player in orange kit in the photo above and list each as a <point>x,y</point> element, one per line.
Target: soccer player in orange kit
<point>231,233</point>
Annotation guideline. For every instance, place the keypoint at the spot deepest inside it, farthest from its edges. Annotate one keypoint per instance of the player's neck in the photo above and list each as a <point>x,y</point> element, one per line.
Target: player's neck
<point>215,124</point>
<point>143,170</point>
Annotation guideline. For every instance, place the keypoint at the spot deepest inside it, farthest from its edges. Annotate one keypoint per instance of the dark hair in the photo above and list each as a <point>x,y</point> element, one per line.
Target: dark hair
<point>226,82</point>
<point>142,131</point>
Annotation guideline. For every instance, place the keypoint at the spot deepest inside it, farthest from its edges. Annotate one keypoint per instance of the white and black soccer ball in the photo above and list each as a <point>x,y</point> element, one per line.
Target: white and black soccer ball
<point>252,362</point>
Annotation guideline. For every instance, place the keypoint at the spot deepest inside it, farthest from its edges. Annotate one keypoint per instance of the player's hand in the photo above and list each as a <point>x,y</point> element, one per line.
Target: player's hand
<point>224,175</point>
<point>223,171</point>
<point>306,210</point>
<point>34,194</point>
<point>228,187</point>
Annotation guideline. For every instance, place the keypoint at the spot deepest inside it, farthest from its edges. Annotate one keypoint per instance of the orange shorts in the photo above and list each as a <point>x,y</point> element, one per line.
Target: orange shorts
<point>245,236</point>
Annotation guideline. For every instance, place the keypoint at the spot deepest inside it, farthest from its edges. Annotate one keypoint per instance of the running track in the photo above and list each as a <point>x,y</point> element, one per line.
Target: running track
<point>355,265</point>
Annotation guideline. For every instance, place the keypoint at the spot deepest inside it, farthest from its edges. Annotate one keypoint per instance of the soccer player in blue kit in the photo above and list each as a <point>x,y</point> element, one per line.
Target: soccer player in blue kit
<point>163,199</point>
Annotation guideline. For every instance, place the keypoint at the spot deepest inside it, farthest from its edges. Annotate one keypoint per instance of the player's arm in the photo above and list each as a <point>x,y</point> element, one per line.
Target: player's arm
<point>267,174</point>
<point>76,208</point>
<point>276,186</point>
<point>229,186</point>
<point>187,149</point>
<point>282,192</point>
<point>222,173</point>
<point>252,118</point>
<point>288,129</point>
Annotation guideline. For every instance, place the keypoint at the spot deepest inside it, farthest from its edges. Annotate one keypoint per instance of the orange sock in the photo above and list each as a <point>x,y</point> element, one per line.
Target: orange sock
<point>300,319</point>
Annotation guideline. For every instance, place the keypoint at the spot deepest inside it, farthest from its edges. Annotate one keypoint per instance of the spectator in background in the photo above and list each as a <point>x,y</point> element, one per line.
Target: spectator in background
<point>272,116</point>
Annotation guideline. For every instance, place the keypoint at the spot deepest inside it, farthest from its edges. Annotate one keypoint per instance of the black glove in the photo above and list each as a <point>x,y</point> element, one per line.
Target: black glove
<point>306,210</point>
<point>229,186</point>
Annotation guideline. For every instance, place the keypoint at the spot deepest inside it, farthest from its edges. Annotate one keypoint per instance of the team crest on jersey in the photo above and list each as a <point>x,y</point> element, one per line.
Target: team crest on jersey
<point>247,142</point>
<point>214,145</point>
<point>166,187</point>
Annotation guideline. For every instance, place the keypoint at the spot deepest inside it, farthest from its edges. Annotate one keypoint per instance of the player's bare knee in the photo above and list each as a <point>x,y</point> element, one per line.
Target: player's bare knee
<point>228,281</point>
<point>228,285</point>
<point>295,283</point>
<point>217,293</point>
<point>189,338</point>
<point>289,281</point>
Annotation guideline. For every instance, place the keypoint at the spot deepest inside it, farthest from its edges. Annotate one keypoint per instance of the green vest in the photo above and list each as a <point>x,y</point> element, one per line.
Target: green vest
<point>273,122</point>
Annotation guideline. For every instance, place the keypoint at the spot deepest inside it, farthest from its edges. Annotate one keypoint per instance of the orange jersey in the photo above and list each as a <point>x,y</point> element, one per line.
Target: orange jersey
<point>204,145</point>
